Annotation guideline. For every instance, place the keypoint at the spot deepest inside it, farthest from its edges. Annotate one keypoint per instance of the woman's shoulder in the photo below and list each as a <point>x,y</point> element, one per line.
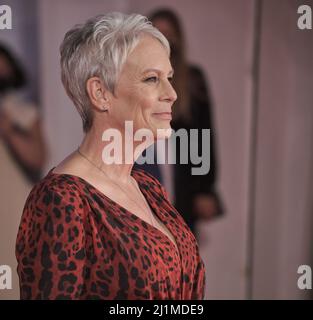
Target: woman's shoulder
<point>60,191</point>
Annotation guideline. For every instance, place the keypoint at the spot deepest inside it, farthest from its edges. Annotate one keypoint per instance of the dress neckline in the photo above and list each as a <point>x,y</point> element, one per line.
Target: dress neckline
<point>122,208</point>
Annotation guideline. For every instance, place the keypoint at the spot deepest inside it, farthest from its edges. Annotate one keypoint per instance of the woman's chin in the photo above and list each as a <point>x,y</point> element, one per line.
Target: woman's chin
<point>160,130</point>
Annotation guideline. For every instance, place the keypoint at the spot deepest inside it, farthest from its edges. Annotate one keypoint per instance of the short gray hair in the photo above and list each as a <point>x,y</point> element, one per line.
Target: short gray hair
<point>99,48</point>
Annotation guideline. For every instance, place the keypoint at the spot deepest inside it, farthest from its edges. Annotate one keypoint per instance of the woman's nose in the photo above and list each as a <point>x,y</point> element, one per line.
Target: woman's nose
<point>169,93</point>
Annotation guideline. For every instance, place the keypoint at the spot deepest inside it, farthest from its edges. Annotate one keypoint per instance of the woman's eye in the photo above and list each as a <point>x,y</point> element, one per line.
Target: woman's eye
<point>170,79</point>
<point>151,79</point>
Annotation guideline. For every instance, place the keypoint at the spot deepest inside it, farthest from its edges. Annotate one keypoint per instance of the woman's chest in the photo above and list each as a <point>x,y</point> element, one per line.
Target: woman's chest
<point>135,261</point>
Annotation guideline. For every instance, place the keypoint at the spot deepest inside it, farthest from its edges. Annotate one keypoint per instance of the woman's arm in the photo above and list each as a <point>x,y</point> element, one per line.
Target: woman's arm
<point>50,247</point>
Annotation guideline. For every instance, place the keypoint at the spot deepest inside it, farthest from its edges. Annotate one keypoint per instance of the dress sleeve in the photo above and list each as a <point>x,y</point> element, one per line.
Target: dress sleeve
<point>50,246</point>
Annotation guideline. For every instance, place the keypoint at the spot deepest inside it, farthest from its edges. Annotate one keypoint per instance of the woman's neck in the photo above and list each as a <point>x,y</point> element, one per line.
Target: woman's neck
<point>115,156</point>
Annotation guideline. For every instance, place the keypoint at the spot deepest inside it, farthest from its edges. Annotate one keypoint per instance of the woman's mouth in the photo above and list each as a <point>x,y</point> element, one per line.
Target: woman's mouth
<point>163,115</point>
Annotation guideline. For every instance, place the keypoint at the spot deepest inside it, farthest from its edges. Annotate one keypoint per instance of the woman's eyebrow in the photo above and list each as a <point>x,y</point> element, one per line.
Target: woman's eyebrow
<point>171,72</point>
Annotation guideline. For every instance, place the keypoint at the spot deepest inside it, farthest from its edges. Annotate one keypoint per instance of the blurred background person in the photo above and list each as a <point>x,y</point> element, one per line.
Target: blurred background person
<point>195,196</point>
<point>22,152</point>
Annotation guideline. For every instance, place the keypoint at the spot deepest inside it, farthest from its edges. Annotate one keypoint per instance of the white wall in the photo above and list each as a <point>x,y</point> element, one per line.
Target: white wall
<point>283,225</point>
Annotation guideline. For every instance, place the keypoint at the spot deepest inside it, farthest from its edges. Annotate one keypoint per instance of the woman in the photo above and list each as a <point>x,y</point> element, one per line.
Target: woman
<point>195,196</point>
<point>93,230</point>
<point>22,155</point>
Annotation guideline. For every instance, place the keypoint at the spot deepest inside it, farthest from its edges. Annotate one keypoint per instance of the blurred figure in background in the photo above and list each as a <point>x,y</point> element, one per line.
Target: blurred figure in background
<point>194,196</point>
<point>22,155</point>
<point>20,124</point>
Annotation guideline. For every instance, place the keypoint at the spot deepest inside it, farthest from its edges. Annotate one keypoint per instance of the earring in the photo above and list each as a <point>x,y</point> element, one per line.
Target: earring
<point>104,109</point>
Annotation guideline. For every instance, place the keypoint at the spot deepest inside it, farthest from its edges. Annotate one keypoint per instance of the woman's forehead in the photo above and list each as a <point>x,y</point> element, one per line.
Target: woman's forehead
<point>149,54</point>
<point>148,48</point>
<point>151,66</point>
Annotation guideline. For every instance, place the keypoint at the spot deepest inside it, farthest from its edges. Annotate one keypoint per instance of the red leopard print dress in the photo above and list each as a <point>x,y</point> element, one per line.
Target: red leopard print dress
<point>76,243</point>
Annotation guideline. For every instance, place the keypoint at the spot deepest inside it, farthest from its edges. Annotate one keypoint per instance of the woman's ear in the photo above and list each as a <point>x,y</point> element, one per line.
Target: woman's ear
<point>98,94</point>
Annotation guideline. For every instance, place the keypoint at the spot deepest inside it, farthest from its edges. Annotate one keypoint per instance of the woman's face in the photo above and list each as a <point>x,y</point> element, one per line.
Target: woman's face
<point>144,93</point>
